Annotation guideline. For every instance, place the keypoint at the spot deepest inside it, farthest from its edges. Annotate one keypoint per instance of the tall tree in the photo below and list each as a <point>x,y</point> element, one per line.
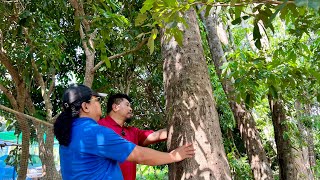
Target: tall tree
<point>289,157</point>
<point>190,106</point>
<point>245,122</point>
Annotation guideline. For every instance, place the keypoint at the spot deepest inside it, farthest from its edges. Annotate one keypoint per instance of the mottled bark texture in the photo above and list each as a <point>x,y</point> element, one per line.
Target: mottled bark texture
<point>190,107</point>
<point>289,155</point>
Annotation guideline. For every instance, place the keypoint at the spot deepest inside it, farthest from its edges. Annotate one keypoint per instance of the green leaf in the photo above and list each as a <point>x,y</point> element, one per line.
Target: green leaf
<point>248,100</point>
<point>140,35</point>
<point>208,8</point>
<point>150,44</point>
<point>106,60</point>
<point>292,56</point>
<point>305,48</point>
<point>286,136</point>
<point>236,21</point>
<point>113,5</point>
<point>315,74</point>
<point>279,8</point>
<point>273,92</point>
<point>140,19</point>
<point>178,36</point>
<point>154,33</point>
<point>147,5</point>
<point>318,97</point>
<point>238,10</point>
<point>257,36</point>
<point>170,3</point>
<point>245,17</point>
<point>76,23</point>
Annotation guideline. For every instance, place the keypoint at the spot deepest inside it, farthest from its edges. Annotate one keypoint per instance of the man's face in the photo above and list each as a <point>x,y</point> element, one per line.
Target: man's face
<point>124,109</point>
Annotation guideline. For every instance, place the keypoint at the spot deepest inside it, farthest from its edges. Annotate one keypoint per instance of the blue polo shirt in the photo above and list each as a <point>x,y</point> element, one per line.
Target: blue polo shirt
<point>94,152</point>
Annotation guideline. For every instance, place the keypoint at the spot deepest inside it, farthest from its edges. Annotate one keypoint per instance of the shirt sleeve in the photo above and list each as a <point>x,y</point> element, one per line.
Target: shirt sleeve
<point>142,135</point>
<point>106,143</point>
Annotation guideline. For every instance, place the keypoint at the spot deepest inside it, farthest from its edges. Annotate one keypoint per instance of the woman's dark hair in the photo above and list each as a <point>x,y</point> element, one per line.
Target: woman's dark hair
<point>116,99</point>
<point>63,126</point>
<point>72,99</point>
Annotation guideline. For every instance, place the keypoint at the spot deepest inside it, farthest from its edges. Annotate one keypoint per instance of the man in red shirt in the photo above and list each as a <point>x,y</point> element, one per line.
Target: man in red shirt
<point>119,111</point>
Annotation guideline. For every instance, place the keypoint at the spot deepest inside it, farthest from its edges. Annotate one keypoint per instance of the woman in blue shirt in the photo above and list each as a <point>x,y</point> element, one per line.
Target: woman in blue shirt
<point>90,151</point>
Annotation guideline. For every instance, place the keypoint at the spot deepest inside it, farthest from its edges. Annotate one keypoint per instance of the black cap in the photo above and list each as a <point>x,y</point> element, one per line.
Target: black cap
<point>78,94</point>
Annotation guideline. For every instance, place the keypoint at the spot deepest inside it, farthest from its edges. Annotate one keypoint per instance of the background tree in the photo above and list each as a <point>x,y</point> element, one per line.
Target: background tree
<point>246,124</point>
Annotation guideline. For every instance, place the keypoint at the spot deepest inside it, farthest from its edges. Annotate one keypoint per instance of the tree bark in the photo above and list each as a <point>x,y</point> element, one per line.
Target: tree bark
<point>87,38</point>
<point>18,104</point>
<point>245,122</point>
<point>190,107</point>
<point>306,137</point>
<point>310,140</point>
<point>45,143</point>
<point>24,127</point>
<point>290,158</point>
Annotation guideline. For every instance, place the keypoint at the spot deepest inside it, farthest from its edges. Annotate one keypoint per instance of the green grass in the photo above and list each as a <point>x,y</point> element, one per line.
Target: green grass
<point>152,172</point>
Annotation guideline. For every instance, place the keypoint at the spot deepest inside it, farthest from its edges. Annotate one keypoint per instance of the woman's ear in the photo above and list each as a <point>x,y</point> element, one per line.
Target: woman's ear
<point>84,107</point>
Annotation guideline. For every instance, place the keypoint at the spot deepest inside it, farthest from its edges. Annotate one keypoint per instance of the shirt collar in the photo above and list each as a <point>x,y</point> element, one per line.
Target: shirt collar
<point>82,120</point>
<point>112,122</point>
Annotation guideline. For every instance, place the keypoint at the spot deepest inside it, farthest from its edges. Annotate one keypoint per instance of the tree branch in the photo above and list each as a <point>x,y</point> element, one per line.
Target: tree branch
<point>44,93</point>
<point>39,80</point>
<point>1,41</point>
<point>52,85</point>
<point>39,77</point>
<point>10,96</point>
<point>138,47</point>
<point>4,59</point>
<point>25,115</point>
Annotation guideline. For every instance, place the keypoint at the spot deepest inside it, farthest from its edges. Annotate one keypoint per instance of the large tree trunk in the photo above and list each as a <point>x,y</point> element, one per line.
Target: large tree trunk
<point>290,158</point>
<point>190,106</point>
<point>245,122</point>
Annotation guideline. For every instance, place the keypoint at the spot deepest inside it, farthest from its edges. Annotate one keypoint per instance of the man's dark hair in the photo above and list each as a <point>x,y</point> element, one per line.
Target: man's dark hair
<point>116,99</point>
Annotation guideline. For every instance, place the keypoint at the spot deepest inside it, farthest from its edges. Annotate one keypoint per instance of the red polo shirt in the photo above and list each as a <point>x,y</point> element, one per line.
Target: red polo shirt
<point>132,134</point>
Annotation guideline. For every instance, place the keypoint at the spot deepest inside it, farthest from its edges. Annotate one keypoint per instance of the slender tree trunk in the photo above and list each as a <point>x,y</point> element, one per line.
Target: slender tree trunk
<point>45,143</point>
<point>310,140</point>
<point>18,103</point>
<point>290,158</point>
<point>87,37</point>
<point>24,127</point>
<point>190,107</point>
<point>306,136</point>
<point>245,122</point>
